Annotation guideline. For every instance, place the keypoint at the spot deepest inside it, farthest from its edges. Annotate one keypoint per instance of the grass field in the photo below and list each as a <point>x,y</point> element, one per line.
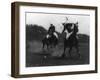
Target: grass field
<point>36,56</point>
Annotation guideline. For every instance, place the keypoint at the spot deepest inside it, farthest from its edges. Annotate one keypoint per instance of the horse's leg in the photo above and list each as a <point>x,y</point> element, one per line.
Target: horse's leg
<point>77,50</point>
<point>64,50</point>
<point>56,42</point>
<point>63,55</point>
<point>65,46</point>
<point>43,45</point>
<point>77,47</point>
<point>70,49</point>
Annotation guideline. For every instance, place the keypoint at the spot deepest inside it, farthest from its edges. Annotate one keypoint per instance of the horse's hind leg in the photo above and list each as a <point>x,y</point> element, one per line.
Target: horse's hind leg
<point>77,50</point>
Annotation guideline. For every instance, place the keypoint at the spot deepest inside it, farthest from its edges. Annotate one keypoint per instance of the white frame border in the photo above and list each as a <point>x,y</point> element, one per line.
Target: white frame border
<point>53,69</point>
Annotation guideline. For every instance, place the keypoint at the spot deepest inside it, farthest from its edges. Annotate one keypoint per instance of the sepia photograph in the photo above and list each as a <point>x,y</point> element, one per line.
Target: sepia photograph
<point>57,39</point>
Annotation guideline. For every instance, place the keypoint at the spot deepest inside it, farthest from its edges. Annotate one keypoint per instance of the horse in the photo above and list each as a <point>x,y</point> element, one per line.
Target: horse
<point>72,40</point>
<point>50,42</point>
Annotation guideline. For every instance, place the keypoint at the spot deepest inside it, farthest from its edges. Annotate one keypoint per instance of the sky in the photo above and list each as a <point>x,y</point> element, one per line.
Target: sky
<point>44,19</point>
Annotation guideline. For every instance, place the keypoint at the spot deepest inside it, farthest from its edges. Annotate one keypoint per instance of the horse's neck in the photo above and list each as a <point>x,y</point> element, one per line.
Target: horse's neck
<point>68,34</point>
<point>69,31</point>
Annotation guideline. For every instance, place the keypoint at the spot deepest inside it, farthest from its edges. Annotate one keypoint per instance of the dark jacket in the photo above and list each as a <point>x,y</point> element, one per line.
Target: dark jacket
<point>51,29</point>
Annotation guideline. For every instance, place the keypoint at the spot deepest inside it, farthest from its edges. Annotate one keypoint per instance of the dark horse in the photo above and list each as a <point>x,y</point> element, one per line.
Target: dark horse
<point>72,41</point>
<point>50,42</point>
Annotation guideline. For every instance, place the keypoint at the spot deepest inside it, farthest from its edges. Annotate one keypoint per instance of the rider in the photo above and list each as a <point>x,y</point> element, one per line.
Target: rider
<point>51,31</point>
